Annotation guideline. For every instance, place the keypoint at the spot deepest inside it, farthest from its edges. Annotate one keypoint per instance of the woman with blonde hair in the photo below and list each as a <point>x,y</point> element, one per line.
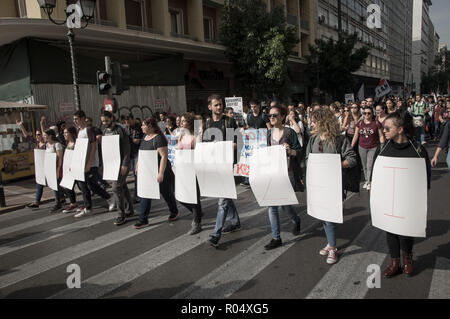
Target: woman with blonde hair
<point>326,138</point>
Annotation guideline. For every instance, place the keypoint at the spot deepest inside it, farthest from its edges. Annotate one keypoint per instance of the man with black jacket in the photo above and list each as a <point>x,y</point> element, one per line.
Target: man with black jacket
<point>119,187</point>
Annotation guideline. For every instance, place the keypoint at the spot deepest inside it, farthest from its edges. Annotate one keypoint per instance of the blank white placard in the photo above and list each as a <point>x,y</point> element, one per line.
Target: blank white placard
<point>147,184</point>
<point>50,170</point>
<point>324,187</point>
<point>111,157</point>
<point>39,168</point>
<point>398,201</point>
<point>185,180</point>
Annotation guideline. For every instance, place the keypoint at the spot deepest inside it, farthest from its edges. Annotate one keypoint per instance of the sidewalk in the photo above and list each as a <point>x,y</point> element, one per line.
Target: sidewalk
<point>20,193</point>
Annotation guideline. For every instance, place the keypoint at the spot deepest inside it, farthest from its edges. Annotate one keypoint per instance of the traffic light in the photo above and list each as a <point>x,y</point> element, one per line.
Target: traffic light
<point>119,78</point>
<point>103,84</point>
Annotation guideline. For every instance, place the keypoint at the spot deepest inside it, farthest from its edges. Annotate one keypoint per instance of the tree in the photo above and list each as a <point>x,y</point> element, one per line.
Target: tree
<point>438,77</point>
<point>258,44</point>
<point>331,64</point>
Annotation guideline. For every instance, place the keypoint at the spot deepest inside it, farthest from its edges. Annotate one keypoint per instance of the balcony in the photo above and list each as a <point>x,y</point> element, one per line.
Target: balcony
<point>183,36</point>
<point>143,29</point>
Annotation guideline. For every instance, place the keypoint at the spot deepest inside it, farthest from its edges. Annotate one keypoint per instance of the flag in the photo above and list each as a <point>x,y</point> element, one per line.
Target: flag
<point>361,93</point>
<point>382,89</point>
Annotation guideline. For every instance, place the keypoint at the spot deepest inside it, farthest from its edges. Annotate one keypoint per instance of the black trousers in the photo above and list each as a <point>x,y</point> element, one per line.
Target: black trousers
<point>397,243</point>
<point>196,209</point>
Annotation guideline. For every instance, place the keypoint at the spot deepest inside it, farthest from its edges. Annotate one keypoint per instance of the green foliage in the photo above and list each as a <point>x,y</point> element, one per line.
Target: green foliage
<point>331,64</point>
<point>439,75</point>
<point>258,44</point>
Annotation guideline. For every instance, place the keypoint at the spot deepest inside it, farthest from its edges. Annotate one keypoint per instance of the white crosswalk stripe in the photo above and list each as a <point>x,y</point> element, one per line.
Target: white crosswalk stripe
<point>117,276</point>
<point>440,284</point>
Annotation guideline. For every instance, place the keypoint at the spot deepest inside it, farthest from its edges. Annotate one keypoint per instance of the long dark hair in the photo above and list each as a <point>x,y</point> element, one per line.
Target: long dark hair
<point>403,119</point>
<point>151,122</point>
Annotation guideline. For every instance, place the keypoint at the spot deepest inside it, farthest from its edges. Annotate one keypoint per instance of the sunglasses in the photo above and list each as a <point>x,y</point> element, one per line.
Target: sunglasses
<point>367,113</point>
<point>346,110</point>
<point>38,134</point>
<point>273,115</point>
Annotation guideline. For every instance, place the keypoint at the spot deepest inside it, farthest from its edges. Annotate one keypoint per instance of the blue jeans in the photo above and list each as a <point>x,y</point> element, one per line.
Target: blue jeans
<point>226,205</point>
<point>330,232</point>
<point>39,192</point>
<point>275,220</point>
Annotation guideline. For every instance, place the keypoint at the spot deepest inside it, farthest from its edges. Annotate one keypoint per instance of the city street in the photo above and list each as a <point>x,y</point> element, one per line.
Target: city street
<point>162,261</point>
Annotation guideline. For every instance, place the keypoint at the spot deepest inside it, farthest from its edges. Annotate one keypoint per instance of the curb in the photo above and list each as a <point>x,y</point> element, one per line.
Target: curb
<point>13,208</point>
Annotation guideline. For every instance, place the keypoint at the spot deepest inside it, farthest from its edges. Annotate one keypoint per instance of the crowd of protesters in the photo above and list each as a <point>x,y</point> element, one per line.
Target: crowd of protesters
<point>359,131</point>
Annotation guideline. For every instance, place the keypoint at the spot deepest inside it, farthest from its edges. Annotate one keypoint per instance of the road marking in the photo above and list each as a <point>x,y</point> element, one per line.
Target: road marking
<point>440,283</point>
<point>234,274</point>
<point>32,223</point>
<point>100,284</point>
<point>348,277</point>
<point>56,259</point>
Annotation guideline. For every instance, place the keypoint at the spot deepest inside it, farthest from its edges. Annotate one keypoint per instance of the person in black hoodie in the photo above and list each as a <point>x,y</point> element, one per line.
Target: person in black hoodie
<point>399,133</point>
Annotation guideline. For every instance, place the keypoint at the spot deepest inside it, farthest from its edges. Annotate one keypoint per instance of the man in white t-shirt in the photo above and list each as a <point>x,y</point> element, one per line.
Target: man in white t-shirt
<point>92,161</point>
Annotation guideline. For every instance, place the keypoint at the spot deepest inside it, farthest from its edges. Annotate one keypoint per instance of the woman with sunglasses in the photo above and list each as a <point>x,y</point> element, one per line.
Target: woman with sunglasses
<point>368,135</point>
<point>325,137</point>
<point>39,144</point>
<point>400,133</point>
<point>351,119</point>
<point>281,135</point>
<point>186,141</point>
<point>155,140</point>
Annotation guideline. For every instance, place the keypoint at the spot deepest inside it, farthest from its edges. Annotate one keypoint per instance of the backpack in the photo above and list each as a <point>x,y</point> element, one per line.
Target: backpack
<point>351,177</point>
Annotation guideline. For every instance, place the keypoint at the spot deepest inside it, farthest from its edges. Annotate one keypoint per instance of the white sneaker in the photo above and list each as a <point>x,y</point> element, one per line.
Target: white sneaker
<point>324,251</point>
<point>368,186</point>
<point>423,142</point>
<point>111,204</point>
<point>83,213</point>
<point>365,185</point>
<point>332,256</point>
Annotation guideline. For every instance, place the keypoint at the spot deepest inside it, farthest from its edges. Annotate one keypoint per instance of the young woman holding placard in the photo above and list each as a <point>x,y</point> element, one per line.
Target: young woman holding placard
<point>326,131</point>
<point>155,140</point>
<point>399,131</point>
<point>187,142</point>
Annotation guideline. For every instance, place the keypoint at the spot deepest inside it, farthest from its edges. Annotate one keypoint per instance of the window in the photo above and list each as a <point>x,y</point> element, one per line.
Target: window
<point>133,12</point>
<point>369,60</point>
<point>208,27</point>
<point>323,13</point>
<point>333,20</point>
<point>176,21</point>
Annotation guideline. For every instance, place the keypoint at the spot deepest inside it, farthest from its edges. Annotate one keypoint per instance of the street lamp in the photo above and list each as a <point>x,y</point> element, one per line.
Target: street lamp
<point>87,13</point>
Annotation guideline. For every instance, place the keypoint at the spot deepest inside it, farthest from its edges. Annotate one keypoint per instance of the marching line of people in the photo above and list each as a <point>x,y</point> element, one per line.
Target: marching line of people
<point>338,129</point>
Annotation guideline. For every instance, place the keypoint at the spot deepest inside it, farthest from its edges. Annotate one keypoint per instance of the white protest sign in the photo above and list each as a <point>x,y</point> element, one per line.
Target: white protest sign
<point>253,139</point>
<point>147,184</point>
<point>39,169</point>
<point>238,107</point>
<point>78,162</point>
<point>67,180</point>
<point>398,199</point>
<point>214,169</point>
<point>111,157</point>
<point>349,98</point>
<point>324,187</point>
<point>269,178</point>
<point>185,180</point>
<point>50,170</point>
<point>172,144</point>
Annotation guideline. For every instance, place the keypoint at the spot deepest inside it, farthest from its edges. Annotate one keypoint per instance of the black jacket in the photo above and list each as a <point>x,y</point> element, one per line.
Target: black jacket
<point>409,149</point>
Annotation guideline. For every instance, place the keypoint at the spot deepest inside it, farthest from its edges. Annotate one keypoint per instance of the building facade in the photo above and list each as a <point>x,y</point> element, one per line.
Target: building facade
<point>354,20</point>
<point>136,31</point>
<point>423,43</point>
<point>400,45</point>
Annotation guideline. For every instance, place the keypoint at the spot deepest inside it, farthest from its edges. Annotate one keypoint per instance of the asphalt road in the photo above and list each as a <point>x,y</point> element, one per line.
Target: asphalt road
<point>161,261</point>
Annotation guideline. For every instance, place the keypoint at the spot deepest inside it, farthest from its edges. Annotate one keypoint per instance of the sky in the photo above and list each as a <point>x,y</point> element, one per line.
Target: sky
<point>439,14</point>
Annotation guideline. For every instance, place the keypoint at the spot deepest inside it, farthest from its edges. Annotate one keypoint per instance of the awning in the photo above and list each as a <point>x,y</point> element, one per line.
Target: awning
<point>11,106</point>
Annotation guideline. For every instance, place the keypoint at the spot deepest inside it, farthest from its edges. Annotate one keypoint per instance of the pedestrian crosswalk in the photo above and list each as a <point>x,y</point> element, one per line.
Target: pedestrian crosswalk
<point>162,261</point>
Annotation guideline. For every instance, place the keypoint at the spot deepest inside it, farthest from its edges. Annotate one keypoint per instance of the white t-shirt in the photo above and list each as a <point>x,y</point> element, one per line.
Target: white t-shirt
<point>84,134</point>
